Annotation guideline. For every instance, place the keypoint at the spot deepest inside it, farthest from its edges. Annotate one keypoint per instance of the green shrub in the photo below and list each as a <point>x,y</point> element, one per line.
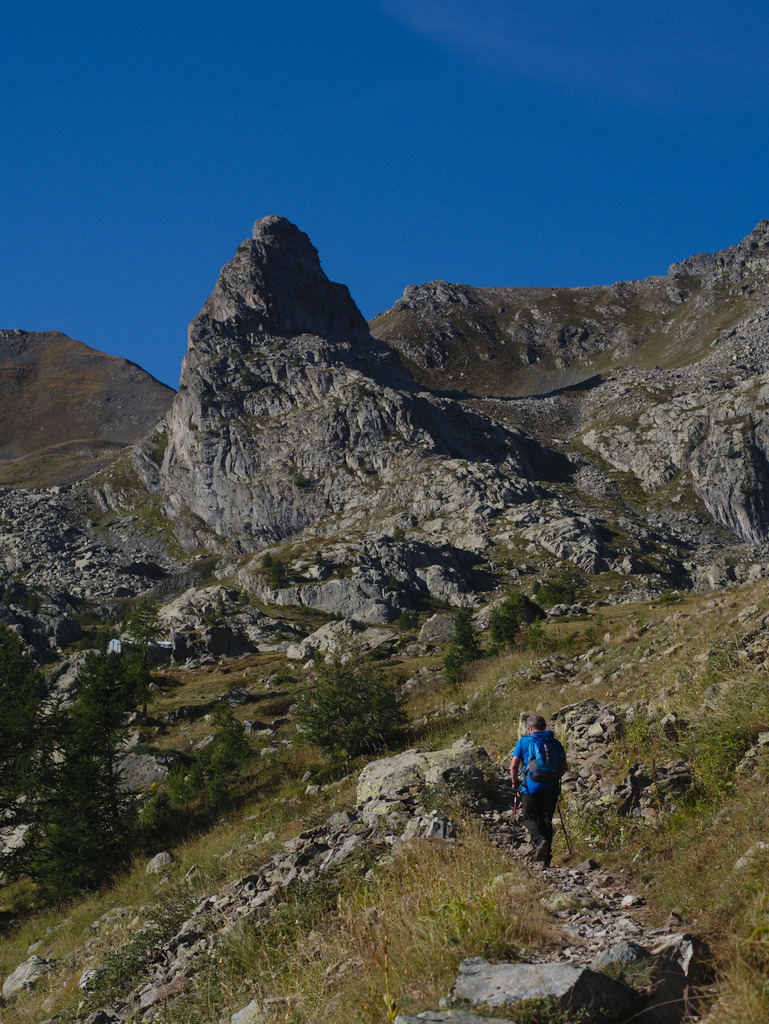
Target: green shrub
<point>559,590</point>
<point>352,706</point>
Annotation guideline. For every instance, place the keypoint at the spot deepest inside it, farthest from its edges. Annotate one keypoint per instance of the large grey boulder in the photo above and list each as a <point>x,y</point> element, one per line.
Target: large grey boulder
<point>140,771</point>
<point>573,538</point>
<point>360,598</point>
<point>382,785</point>
<point>158,864</point>
<point>438,629</point>
<point>26,976</point>
<point>335,637</point>
<point>250,1014</point>
<point>578,988</point>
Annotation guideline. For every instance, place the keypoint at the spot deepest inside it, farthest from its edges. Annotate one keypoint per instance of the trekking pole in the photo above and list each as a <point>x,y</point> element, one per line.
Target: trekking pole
<point>515,816</point>
<point>563,826</point>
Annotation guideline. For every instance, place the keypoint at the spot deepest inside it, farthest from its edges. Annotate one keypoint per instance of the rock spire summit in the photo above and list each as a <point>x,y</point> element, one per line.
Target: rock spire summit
<point>275,285</point>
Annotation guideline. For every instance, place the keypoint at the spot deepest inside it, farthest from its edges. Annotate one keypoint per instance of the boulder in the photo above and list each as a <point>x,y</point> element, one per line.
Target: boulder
<point>159,863</point>
<point>360,599</point>
<point>578,988</point>
<point>334,637</point>
<point>224,641</point>
<point>574,538</point>
<point>250,1014</point>
<point>437,630</point>
<point>140,771</point>
<point>382,785</point>
<point>691,953</point>
<point>26,976</point>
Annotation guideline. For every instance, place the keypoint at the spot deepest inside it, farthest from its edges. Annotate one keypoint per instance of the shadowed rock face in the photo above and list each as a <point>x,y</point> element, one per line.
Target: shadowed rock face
<point>290,413</point>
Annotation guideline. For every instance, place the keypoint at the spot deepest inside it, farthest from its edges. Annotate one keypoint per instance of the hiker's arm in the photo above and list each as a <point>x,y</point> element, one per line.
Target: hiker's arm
<point>514,768</point>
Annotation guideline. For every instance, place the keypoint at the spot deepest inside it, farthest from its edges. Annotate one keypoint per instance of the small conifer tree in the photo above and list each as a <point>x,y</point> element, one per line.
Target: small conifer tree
<point>464,647</point>
<point>506,621</point>
<point>352,707</point>
<point>143,630</point>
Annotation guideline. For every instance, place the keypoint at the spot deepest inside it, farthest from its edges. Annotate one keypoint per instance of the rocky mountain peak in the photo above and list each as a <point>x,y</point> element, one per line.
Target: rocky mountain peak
<point>750,256</point>
<point>290,414</point>
<point>274,285</point>
<point>432,294</point>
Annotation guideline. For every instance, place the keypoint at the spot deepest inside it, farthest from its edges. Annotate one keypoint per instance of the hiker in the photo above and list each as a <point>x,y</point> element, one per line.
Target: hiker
<point>544,762</point>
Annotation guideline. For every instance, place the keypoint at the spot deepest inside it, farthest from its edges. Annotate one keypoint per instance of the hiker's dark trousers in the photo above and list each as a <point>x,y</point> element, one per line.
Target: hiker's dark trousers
<point>537,810</point>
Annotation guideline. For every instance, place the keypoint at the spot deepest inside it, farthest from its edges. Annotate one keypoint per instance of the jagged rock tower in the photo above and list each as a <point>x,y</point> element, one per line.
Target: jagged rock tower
<point>290,414</point>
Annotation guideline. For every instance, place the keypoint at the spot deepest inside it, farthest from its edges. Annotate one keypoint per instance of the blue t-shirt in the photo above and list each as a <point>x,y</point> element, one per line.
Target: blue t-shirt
<point>525,749</point>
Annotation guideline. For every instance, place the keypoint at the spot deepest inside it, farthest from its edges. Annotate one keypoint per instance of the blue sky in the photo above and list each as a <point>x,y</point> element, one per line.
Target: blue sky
<point>491,142</point>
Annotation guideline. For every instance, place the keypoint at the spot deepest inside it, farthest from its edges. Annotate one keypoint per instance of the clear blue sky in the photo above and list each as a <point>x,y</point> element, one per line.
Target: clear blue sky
<point>491,142</point>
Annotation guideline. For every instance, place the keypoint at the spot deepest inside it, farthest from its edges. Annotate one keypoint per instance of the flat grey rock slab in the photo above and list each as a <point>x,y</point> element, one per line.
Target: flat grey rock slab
<point>492,985</point>
<point>619,953</point>
<point>450,1017</point>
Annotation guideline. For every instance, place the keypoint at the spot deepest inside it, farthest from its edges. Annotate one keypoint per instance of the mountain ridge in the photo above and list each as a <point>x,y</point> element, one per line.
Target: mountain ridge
<point>646,475</point>
<point>69,405</point>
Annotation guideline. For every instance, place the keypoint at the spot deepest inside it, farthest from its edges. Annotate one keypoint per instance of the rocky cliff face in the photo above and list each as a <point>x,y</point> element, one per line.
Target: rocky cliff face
<point>664,379</point>
<point>470,439</point>
<point>290,415</point>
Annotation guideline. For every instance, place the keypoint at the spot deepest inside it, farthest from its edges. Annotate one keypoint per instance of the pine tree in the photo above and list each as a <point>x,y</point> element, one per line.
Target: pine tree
<point>143,630</point>
<point>84,823</point>
<point>21,721</point>
<point>506,621</point>
<point>464,647</point>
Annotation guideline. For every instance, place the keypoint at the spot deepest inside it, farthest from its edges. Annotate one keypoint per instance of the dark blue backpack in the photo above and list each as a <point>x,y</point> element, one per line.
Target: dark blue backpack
<point>546,764</point>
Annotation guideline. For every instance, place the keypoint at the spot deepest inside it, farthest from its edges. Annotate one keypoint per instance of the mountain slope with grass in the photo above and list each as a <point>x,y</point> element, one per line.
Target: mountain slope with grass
<point>294,895</point>
<point>289,634</point>
<point>67,409</point>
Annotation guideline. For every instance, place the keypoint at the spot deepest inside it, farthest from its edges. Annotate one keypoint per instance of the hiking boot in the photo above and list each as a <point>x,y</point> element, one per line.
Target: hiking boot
<point>541,851</point>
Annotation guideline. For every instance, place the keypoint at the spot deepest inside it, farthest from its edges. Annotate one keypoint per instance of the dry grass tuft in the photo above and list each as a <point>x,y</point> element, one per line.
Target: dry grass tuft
<point>346,949</point>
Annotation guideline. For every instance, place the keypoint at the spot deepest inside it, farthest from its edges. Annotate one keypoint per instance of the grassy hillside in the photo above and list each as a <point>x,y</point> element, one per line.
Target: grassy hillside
<point>397,927</point>
<point>66,408</point>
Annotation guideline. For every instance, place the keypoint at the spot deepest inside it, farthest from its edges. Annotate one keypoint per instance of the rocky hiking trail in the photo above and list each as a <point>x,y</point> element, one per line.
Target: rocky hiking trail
<point>604,924</point>
<point>606,956</point>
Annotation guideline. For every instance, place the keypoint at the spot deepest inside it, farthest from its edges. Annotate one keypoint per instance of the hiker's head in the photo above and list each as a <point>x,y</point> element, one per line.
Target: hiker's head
<point>536,722</point>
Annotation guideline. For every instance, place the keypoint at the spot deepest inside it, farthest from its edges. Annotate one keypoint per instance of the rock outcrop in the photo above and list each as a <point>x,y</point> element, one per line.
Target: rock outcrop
<point>290,415</point>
